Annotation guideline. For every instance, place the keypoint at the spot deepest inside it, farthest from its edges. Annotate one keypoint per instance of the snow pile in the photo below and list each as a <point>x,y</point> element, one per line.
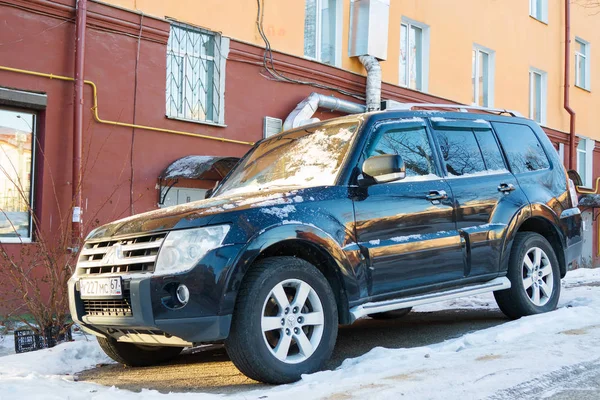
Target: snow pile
<point>64,359</point>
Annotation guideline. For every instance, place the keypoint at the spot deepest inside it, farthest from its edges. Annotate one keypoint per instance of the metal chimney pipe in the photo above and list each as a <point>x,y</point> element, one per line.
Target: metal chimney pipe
<point>80,28</point>
<point>373,91</point>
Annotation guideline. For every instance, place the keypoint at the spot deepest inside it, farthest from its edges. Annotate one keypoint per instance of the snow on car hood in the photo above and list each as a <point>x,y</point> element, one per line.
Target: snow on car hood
<point>197,213</point>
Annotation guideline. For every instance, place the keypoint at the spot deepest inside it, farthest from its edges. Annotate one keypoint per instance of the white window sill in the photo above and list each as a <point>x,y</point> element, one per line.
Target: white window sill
<point>539,20</point>
<point>583,88</point>
<point>196,121</point>
<point>16,240</point>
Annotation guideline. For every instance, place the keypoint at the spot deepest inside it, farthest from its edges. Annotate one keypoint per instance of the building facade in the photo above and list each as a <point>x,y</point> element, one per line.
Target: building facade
<point>169,79</point>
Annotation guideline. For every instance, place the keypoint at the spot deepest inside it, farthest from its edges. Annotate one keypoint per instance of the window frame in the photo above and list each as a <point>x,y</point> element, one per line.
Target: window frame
<point>587,65</point>
<point>424,62</point>
<point>339,12</point>
<point>588,151</point>
<point>34,148</point>
<point>543,94</point>
<point>382,127</point>
<point>507,159</point>
<point>491,75</point>
<point>219,58</point>
<point>542,16</point>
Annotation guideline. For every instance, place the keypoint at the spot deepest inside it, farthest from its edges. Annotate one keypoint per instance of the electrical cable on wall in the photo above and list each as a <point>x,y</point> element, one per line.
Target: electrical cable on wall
<point>278,76</point>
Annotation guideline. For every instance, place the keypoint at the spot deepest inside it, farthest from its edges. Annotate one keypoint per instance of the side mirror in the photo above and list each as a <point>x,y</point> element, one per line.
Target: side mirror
<point>384,168</point>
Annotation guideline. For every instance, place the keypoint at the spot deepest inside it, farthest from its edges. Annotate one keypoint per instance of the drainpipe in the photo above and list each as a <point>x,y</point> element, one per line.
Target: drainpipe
<point>80,25</point>
<point>373,82</point>
<point>567,105</point>
<point>304,111</point>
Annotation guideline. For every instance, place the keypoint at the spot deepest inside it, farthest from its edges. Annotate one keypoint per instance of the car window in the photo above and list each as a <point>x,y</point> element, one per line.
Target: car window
<point>411,144</point>
<point>492,156</point>
<point>460,152</point>
<point>523,149</point>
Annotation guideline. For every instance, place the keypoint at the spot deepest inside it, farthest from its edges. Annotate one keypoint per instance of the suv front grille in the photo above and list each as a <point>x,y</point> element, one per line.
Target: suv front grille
<point>109,308</point>
<point>120,256</point>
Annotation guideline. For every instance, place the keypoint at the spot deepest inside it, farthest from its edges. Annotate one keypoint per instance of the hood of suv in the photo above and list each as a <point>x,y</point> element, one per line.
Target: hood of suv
<point>195,214</point>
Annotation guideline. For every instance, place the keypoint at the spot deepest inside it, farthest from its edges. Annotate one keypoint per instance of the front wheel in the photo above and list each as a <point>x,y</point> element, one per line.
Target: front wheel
<point>534,275</point>
<point>285,321</point>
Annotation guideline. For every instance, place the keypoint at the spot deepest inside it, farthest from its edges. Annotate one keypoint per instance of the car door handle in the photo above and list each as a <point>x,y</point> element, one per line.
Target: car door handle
<point>506,187</point>
<point>437,195</point>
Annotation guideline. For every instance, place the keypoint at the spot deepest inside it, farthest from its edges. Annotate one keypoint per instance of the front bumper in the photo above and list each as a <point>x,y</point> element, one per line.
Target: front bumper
<point>141,321</point>
<point>145,315</point>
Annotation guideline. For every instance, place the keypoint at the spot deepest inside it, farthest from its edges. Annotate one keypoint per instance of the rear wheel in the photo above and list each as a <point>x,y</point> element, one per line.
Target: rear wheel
<point>534,275</point>
<point>135,355</point>
<point>392,314</point>
<point>285,321</point>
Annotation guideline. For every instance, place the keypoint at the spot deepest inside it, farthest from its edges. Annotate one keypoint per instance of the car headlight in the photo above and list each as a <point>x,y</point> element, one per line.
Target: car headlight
<point>182,249</point>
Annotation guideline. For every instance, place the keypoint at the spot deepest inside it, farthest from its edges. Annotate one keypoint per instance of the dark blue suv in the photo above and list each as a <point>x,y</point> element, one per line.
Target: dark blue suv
<point>366,215</point>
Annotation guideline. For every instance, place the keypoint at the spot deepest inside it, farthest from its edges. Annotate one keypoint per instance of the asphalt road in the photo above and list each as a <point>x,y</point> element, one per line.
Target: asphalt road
<point>211,371</point>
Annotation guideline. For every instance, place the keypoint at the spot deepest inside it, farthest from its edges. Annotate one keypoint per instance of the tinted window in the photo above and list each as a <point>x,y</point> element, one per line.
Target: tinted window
<point>522,147</point>
<point>460,152</point>
<point>412,145</point>
<point>492,156</point>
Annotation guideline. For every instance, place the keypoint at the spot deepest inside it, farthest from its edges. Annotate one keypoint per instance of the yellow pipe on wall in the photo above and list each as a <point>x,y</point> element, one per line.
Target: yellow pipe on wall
<point>584,191</point>
<point>116,123</point>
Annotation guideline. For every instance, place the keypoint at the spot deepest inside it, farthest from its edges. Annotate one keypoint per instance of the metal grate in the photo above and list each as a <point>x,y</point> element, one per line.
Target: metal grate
<point>120,256</point>
<point>109,308</point>
<point>193,74</point>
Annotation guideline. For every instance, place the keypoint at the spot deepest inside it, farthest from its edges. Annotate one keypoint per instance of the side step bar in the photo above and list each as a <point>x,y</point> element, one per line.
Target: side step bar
<point>395,304</point>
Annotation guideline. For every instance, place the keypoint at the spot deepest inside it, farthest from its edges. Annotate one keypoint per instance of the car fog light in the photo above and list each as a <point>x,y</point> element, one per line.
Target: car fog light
<point>183,294</point>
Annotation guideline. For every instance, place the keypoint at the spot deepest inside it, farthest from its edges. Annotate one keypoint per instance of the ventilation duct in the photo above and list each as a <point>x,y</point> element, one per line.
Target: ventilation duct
<point>302,114</point>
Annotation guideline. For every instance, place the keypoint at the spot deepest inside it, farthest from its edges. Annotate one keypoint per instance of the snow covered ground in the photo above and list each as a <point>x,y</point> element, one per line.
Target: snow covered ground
<point>474,366</point>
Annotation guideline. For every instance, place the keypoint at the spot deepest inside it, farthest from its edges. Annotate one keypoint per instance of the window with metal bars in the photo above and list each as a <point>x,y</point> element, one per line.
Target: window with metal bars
<point>195,74</point>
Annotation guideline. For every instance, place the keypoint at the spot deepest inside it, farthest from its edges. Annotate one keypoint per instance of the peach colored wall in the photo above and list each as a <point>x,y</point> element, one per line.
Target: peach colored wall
<point>505,26</point>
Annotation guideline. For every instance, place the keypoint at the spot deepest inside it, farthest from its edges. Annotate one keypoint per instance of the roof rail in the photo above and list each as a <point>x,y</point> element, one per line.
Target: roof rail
<point>394,105</point>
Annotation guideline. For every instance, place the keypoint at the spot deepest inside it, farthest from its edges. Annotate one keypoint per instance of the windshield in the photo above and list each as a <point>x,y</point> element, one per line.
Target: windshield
<point>305,158</point>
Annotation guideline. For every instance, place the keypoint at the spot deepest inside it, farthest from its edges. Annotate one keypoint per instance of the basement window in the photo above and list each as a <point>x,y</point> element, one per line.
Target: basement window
<point>196,74</point>
<point>585,160</point>
<point>17,143</point>
<point>322,31</point>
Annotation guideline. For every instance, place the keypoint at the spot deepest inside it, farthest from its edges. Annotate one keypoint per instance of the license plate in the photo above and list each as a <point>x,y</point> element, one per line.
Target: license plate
<point>103,288</point>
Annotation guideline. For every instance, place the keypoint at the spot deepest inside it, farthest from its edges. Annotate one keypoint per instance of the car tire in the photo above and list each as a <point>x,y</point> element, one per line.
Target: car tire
<point>534,275</point>
<point>394,314</point>
<point>134,355</point>
<point>285,321</point>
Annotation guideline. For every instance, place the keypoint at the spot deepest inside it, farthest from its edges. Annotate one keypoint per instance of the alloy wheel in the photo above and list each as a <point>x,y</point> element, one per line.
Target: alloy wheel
<point>292,321</point>
<point>538,279</point>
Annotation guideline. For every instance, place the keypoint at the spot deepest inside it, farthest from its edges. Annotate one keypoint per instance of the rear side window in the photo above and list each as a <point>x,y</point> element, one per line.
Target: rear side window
<point>522,147</point>
<point>460,152</point>
<point>411,144</point>
<point>492,156</point>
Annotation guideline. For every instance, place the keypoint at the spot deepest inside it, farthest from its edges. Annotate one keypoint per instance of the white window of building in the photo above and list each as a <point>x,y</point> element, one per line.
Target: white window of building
<point>538,83</point>
<point>17,143</point>
<point>585,160</point>
<point>483,66</point>
<point>196,74</point>
<point>323,31</point>
<point>414,55</point>
<point>538,9</point>
<point>582,64</point>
